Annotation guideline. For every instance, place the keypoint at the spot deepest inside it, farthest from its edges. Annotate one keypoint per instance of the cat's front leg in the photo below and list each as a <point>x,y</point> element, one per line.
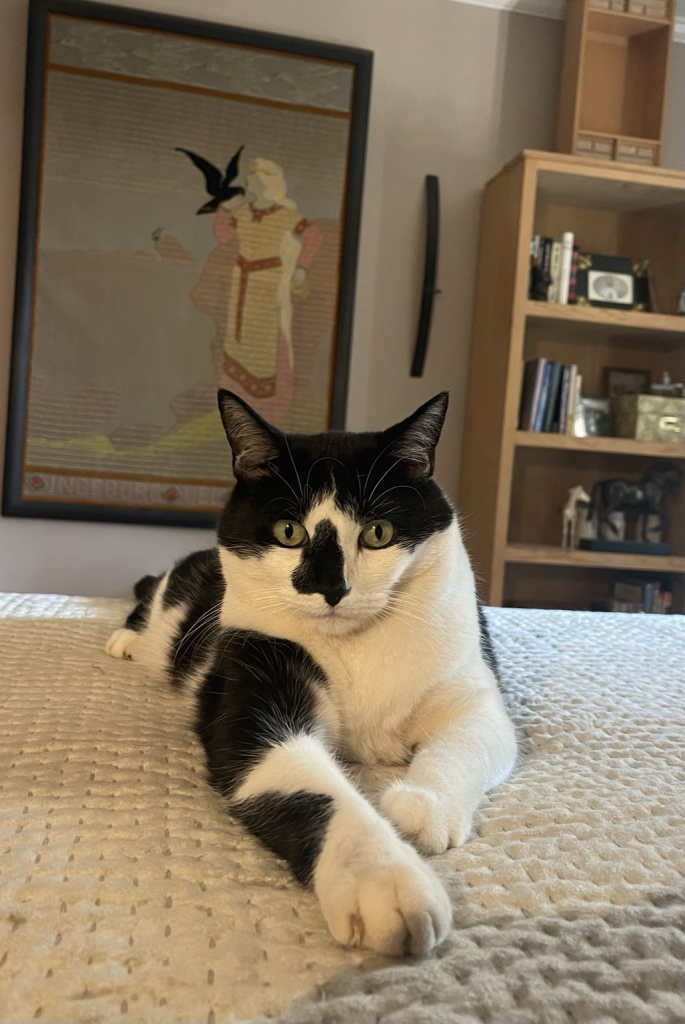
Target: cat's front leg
<point>264,715</point>
<point>374,889</point>
<point>464,745</point>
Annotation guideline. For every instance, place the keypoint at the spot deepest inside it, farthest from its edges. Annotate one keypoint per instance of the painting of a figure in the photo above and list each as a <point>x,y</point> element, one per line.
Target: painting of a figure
<point>192,231</point>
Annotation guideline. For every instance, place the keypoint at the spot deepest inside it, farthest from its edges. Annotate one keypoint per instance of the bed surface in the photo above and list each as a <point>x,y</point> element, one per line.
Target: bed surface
<point>127,894</point>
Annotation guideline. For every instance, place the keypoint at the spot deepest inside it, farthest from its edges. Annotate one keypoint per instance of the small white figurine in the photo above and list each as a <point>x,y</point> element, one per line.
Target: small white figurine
<point>575,516</point>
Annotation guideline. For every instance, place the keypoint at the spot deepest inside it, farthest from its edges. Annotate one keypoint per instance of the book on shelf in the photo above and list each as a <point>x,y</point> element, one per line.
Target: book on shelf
<point>543,396</point>
<point>565,267</point>
<point>552,398</point>
<point>549,396</point>
<point>558,258</point>
<point>637,596</point>
<point>562,411</point>
<point>573,279</point>
<point>554,270</point>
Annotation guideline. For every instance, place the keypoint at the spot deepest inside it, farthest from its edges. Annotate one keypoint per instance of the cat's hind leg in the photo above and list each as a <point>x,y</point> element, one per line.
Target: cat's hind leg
<point>123,642</point>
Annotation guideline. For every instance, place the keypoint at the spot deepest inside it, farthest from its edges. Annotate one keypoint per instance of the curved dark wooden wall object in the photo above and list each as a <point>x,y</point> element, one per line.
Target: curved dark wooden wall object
<point>430,269</point>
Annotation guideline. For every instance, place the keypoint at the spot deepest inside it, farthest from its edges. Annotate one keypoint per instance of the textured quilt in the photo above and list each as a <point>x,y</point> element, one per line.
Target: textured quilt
<point>127,894</point>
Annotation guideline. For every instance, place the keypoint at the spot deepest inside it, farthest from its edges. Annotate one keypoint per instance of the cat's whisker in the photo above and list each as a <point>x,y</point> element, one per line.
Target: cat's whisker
<point>382,478</point>
<point>401,487</point>
<point>299,481</point>
<point>373,464</point>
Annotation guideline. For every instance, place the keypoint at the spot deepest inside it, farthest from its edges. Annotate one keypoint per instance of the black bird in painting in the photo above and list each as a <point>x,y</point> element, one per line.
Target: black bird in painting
<point>218,187</point>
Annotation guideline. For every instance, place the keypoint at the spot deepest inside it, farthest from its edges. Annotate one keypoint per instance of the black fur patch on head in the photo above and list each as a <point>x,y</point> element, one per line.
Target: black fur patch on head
<point>384,475</point>
<point>292,825</point>
<point>322,569</point>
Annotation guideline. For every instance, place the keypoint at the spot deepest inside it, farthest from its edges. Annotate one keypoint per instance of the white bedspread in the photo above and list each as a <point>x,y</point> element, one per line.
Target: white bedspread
<point>127,894</point>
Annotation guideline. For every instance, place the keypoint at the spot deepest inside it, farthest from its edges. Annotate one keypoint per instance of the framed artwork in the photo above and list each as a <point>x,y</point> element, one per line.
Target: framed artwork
<point>621,381</point>
<point>191,198</point>
<point>612,282</point>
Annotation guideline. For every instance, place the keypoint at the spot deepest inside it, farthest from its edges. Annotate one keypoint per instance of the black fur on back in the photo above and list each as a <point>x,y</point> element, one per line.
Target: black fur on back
<point>196,581</point>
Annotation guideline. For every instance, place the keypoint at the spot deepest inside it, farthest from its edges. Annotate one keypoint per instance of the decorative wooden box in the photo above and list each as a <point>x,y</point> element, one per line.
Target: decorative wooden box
<point>649,417</point>
<point>614,79</point>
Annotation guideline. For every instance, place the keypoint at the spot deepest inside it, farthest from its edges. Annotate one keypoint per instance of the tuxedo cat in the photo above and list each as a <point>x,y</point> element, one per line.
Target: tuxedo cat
<point>337,620</point>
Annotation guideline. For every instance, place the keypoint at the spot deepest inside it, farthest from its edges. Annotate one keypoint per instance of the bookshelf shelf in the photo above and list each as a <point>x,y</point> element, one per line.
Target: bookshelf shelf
<point>543,554</point>
<point>514,484</point>
<point>614,319</point>
<point>605,445</point>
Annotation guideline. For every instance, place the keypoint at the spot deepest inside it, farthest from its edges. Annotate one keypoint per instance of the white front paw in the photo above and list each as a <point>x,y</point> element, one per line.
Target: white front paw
<point>430,820</point>
<point>122,644</point>
<point>390,903</point>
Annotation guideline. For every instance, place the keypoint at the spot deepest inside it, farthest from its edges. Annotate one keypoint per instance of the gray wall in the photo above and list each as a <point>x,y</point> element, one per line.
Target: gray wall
<point>458,90</point>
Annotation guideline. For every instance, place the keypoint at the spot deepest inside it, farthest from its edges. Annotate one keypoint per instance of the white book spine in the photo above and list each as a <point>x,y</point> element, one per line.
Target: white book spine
<point>554,271</point>
<point>565,271</point>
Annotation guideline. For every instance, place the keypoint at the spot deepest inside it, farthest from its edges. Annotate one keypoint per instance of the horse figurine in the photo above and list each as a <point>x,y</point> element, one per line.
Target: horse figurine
<point>578,502</point>
<point>645,496</point>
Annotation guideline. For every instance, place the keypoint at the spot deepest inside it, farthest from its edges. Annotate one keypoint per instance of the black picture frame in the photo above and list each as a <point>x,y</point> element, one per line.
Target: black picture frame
<point>13,503</point>
<point>629,278</point>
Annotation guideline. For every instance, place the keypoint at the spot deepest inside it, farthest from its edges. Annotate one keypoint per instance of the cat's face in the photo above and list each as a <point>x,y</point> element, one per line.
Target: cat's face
<point>331,522</point>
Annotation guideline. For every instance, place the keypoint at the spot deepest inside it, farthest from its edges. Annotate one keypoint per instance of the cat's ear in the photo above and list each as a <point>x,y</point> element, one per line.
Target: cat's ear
<point>253,442</point>
<point>414,440</point>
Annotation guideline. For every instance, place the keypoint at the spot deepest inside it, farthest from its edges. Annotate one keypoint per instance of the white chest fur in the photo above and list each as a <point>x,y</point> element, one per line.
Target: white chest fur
<point>377,675</point>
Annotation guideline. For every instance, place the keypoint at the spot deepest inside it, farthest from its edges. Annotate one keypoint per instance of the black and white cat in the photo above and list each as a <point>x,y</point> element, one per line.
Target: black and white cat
<point>337,620</point>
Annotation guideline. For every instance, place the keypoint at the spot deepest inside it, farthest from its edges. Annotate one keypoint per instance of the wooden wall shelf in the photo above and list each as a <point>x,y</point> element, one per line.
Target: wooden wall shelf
<point>515,483</point>
<point>541,554</point>
<point>625,320</point>
<point>606,445</point>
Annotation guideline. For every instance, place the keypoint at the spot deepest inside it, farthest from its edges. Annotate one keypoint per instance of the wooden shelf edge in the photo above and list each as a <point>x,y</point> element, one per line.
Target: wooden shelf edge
<point>603,445</point>
<point>622,138</point>
<point>640,22</point>
<point>538,554</point>
<point>617,318</point>
<point>615,170</point>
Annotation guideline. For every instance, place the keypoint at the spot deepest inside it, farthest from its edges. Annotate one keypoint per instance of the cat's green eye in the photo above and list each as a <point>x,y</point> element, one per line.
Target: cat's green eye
<point>289,533</point>
<point>377,534</point>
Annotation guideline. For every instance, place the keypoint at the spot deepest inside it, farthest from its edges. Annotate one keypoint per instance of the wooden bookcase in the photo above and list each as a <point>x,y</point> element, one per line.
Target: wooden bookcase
<point>514,483</point>
<point>613,85</point>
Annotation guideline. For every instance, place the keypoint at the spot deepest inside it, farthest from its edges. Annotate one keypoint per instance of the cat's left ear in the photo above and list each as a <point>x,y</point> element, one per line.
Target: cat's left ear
<point>414,440</point>
<point>253,441</point>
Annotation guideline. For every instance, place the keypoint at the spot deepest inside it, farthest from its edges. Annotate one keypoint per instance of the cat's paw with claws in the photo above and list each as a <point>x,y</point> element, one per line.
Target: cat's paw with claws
<point>430,820</point>
<point>392,903</point>
<point>122,644</point>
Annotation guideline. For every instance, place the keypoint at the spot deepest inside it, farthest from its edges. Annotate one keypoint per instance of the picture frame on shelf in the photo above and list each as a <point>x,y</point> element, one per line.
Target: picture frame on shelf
<point>596,416</point>
<point>622,381</point>
<point>132,309</point>
<point>612,282</point>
